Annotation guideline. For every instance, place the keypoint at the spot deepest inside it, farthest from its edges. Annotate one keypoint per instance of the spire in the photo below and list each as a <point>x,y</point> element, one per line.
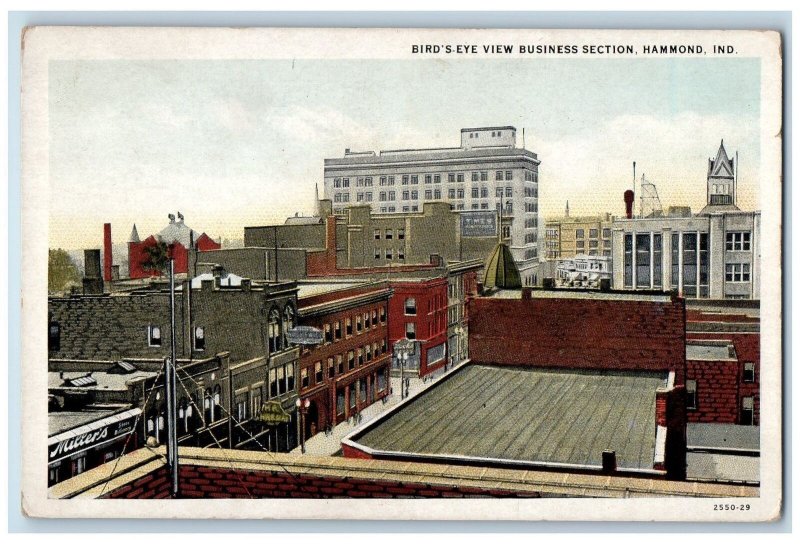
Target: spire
<point>134,239</point>
<point>721,165</point>
<point>316,201</point>
<point>566,212</point>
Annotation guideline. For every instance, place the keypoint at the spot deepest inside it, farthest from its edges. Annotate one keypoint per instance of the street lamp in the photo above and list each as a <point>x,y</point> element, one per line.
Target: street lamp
<point>302,408</point>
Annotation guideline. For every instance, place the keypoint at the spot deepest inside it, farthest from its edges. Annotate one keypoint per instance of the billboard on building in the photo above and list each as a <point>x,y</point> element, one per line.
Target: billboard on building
<point>478,224</point>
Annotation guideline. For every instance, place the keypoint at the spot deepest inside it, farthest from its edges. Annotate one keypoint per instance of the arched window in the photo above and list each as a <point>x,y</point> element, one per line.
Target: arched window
<point>217,403</point>
<point>208,412</point>
<point>288,322</point>
<point>274,331</point>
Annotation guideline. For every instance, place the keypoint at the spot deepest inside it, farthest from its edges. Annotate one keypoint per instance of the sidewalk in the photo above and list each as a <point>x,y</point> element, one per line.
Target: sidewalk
<point>323,445</point>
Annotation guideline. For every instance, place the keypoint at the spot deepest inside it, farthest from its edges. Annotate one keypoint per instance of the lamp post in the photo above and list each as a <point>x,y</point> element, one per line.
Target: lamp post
<point>302,408</point>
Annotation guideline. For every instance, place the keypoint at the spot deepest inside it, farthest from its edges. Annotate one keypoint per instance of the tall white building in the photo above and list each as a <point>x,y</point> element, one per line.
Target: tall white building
<point>487,172</point>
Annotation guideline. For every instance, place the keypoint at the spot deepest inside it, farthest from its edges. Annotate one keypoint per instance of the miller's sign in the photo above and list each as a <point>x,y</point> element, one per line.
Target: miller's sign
<point>84,441</point>
<point>479,224</point>
<point>304,335</point>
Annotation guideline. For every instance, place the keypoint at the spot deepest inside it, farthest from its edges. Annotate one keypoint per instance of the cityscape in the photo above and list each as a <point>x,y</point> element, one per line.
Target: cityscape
<point>422,330</point>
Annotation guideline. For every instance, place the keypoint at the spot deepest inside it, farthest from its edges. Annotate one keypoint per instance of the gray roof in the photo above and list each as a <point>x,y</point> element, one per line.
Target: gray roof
<point>178,231</point>
<point>722,437</point>
<point>414,155</point>
<point>105,380</point>
<point>528,415</point>
<point>61,421</point>
<point>717,351</point>
<point>718,467</point>
<point>589,294</point>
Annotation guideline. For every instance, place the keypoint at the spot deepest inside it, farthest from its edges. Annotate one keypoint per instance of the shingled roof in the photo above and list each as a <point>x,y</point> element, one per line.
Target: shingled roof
<point>501,270</point>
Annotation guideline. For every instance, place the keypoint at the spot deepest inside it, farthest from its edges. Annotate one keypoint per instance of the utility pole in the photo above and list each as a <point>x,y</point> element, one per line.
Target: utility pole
<point>169,375</point>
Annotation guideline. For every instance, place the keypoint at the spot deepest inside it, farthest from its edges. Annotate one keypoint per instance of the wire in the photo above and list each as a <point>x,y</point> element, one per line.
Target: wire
<point>135,424</point>
<point>238,424</point>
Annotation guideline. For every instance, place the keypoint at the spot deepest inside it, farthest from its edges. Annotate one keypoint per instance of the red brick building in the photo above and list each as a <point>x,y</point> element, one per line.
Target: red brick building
<point>179,239</point>
<point>350,369</point>
<point>723,388</point>
<point>418,311</point>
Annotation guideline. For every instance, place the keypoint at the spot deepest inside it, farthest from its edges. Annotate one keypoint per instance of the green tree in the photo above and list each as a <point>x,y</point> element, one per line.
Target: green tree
<point>156,258</point>
<point>61,271</point>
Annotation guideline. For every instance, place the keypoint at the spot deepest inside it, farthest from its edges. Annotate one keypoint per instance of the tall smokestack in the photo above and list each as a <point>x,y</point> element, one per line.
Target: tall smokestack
<point>107,260</point>
<point>628,197</point>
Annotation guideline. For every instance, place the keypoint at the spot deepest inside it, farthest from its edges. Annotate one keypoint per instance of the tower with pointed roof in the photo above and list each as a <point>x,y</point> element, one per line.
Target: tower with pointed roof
<point>721,182</point>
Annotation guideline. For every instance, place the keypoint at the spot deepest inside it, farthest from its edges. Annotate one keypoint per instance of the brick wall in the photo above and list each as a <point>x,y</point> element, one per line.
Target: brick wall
<point>579,333</point>
<point>112,327</point>
<point>226,483</point>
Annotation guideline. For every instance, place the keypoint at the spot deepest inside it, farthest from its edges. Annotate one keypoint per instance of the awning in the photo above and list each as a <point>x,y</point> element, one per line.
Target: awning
<point>91,435</point>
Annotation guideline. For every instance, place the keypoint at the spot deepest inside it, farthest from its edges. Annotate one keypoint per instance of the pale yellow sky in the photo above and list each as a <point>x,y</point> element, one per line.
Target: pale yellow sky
<point>238,143</point>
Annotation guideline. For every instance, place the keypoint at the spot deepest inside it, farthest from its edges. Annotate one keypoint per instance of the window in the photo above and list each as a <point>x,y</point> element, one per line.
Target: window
<point>352,390</point>
<point>358,324</point>
<point>241,407</point>
<point>484,176</point>
<point>475,176</point>
<point>331,367</point>
<point>318,377</point>
<point>749,373</point>
<point>737,241</point>
<point>411,306</point>
<point>340,402</point>
<point>404,181</point>
<point>328,333</point>
<point>391,197</point>
<point>401,234</point>
<point>382,313</point>
<point>367,321</point>
<point>339,363</point>
<point>274,331</point>
<point>628,262</point>
<point>54,336</point>
<point>437,194</point>
<point>288,324</point>
<point>509,175</point>
<point>273,383</point>
<point>289,376</point>
<point>377,252</point>
<point>746,417</point>
<point>391,181</point>
<point>382,196</point>
<point>377,234</point>
<point>642,260</point>
<point>737,272</point>
<point>451,193</point>
<point>509,192</point>
<point>691,394</point>
<point>592,233</point>
<point>389,234</point>
<point>348,326</point>
<point>368,350</point>
<point>389,254</point>
<point>154,336</point>
<point>255,401</point>
<point>281,371</point>
<point>337,182</point>
<point>368,197</point>
<point>451,178</point>
<point>374,318</point>
<point>484,192</point>
<point>460,194</point>
<point>351,360</point>
<point>345,183</point>
<point>498,175</point>
<point>606,233</point>
<point>411,331</point>
<point>579,233</point>
<point>428,178</point>
<point>460,178</point>
<point>304,378</point>
<point>405,196</point>
<point>414,195</point>
<point>414,180</point>
<point>475,192</point>
<point>337,330</point>
<point>437,178</point>
<point>382,379</point>
<point>199,339</point>
<point>360,356</point>
<point>382,181</point>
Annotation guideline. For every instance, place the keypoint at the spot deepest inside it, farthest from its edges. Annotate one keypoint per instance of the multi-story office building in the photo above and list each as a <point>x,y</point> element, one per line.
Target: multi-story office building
<point>487,172</point>
<point>714,254</point>
<point>566,237</point>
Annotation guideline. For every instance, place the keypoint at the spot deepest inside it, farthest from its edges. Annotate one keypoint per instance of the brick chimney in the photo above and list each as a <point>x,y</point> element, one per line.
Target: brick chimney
<point>107,256</point>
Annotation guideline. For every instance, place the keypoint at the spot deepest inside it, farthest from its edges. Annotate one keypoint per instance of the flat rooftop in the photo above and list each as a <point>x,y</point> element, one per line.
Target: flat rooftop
<point>587,294</point>
<point>530,415</point>
<point>102,380</point>
<point>61,421</point>
<point>305,290</point>
<point>721,436</point>
<point>719,351</point>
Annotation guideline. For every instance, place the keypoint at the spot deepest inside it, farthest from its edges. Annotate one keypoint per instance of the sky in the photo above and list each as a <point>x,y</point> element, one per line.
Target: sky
<point>235,143</point>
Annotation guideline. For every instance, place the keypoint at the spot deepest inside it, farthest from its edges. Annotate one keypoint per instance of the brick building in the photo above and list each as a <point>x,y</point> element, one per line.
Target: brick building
<point>232,339</point>
<point>350,369</point>
<point>486,172</point>
<point>723,386</point>
<point>567,237</point>
<point>179,239</point>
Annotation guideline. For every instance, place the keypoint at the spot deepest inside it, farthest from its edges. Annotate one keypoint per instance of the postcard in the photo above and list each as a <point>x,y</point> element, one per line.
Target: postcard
<point>537,269</point>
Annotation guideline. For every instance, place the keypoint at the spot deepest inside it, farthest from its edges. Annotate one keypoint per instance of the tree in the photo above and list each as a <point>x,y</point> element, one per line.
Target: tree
<point>156,258</point>
<point>61,271</point>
